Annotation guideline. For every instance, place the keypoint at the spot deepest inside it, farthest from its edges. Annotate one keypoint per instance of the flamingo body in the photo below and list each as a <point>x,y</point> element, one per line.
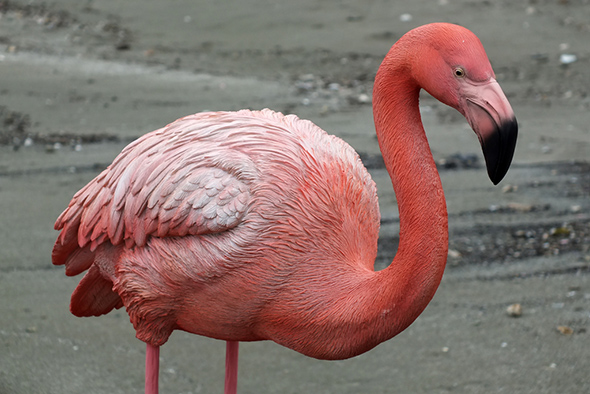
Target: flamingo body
<point>228,225</point>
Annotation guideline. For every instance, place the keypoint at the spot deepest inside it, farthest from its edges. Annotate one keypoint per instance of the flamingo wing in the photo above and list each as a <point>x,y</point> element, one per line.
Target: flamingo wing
<point>168,183</point>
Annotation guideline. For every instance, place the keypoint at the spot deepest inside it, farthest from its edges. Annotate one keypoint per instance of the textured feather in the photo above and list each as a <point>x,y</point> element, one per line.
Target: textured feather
<point>157,199</point>
<point>94,295</point>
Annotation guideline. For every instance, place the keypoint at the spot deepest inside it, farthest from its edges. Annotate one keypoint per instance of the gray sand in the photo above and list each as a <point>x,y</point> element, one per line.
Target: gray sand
<point>111,71</point>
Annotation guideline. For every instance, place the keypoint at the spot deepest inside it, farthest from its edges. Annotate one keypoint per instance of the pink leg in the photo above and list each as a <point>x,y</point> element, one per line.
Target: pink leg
<point>152,369</point>
<point>231,367</point>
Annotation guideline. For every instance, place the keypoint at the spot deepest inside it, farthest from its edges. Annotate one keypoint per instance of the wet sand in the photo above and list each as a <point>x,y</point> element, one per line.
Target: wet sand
<point>78,81</point>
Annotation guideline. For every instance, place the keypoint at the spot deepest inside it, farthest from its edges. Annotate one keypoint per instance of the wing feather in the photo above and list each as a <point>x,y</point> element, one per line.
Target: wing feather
<point>171,182</point>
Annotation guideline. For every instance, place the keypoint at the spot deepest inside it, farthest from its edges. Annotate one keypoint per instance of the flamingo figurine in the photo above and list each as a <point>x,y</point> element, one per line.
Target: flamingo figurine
<point>252,225</point>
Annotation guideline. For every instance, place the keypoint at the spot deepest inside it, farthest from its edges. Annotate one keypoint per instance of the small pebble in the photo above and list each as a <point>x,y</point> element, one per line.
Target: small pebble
<point>567,58</point>
<point>509,188</point>
<point>514,310</point>
<point>565,330</point>
<point>560,231</point>
<point>406,17</point>
<point>519,207</point>
<point>334,86</point>
<point>454,254</point>
<point>364,98</point>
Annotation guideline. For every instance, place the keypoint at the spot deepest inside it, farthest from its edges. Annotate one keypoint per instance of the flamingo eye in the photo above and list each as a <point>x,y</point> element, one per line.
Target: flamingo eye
<point>459,72</point>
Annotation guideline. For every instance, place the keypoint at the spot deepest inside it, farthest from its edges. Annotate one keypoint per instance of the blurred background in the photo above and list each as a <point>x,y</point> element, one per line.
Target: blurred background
<point>81,79</point>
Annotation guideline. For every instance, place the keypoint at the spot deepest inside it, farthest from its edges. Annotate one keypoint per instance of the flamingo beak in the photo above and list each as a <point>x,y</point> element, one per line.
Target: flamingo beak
<point>491,117</point>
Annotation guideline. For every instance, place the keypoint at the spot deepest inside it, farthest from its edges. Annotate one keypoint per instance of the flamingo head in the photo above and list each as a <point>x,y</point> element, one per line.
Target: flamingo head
<point>454,68</point>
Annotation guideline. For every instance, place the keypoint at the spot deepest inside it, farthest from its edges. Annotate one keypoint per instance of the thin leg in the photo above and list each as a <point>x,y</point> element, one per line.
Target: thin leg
<point>231,367</point>
<point>152,369</point>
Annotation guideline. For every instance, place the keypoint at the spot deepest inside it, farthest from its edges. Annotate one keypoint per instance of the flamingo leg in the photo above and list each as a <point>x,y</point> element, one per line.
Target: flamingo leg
<point>231,367</point>
<point>152,369</point>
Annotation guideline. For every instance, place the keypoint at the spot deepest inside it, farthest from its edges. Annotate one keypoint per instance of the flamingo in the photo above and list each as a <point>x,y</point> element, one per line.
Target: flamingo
<point>252,225</point>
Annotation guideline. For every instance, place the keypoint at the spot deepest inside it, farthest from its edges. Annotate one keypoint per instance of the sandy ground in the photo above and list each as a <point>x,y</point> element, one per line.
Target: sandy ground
<point>79,80</point>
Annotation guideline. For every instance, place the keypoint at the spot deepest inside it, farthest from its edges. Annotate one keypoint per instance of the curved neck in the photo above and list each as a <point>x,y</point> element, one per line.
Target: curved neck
<point>409,283</point>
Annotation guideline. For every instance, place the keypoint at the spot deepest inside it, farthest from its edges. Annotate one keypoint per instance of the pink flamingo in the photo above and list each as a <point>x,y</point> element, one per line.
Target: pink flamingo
<point>247,226</point>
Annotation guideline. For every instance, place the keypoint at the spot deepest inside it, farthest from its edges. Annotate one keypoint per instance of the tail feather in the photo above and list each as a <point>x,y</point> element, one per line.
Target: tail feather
<point>94,295</point>
<point>67,241</point>
<point>79,261</point>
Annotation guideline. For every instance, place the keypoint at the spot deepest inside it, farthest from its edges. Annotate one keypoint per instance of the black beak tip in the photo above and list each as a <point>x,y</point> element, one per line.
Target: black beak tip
<point>498,150</point>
